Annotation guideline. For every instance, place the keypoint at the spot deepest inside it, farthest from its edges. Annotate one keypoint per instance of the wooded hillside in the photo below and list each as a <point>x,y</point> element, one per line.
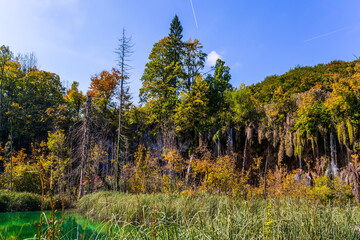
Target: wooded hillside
<point>191,130</point>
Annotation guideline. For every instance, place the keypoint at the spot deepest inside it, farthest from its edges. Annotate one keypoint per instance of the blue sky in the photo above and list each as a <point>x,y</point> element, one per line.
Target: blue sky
<point>256,38</point>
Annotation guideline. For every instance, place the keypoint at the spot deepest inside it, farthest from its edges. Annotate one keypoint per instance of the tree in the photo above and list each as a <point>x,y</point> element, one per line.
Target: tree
<point>175,41</point>
<point>219,84</point>
<point>28,62</point>
<point>162,76</point>
<point>192,111</point>
<point>218,87</point>
<point>159,90</point>
<point>193,61</point>
<point>75,99</point>
<point>102,89</point>
<point>58,157</point>
<point>5,57</point>
<point>242,105</point>
<point>35,95</point>
<point>84,133</point>
<point>124,51</point>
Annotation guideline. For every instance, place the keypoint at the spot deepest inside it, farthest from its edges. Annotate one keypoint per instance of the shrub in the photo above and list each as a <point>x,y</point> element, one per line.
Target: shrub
<point>4,202</point>
<point>332,189</point>
<point>19,201</point>
<point>25,176</point>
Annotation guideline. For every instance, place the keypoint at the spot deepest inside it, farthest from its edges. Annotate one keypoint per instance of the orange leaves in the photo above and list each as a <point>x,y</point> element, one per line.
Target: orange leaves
<point>104,84</point>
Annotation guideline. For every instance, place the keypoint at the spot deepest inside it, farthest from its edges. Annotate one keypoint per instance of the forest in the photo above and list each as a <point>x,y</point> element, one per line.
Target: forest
<point>291,135</point>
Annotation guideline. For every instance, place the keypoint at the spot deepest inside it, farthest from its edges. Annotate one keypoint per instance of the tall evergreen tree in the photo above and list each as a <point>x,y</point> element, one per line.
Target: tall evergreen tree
<point>163,73</point>
<point>175,43</point>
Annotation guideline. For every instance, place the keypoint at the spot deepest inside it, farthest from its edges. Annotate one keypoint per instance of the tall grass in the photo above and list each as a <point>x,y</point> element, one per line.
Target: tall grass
<point>166,216</point>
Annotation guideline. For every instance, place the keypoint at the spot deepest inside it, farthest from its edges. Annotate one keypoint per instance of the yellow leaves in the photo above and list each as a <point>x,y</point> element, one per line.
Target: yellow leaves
<point>174,161</point>
<point>145,177</point>
<point>25,175</point>
<point>344,89</point>
<point>18,158</point>
<point>16,105</point>
<point>220,175</point>
<point>193,107</point>
<point>326,189</point>
<point>257,163</point>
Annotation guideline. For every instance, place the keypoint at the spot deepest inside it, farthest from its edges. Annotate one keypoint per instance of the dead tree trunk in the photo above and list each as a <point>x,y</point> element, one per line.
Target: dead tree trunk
<point>124,51</point>
<point>11,157</point>
<point>84,146</point>
<point>187,178</point>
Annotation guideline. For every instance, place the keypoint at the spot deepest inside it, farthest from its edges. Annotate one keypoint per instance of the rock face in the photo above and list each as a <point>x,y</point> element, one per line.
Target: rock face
<point>302,177</point>
<point>354,177</point>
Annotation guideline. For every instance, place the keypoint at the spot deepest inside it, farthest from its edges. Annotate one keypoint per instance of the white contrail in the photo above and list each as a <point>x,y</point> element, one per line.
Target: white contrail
<point>192,6</point>
<point>327,34</point>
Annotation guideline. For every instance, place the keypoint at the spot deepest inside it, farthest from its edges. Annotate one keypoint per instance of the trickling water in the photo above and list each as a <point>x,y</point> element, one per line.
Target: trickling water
<point>188,171</point>
<point>231,140</point>
<point>333,154</point>
<point>245,147</point>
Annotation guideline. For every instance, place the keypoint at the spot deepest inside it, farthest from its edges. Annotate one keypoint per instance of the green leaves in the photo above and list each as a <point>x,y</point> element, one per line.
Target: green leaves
<point>193,109</point>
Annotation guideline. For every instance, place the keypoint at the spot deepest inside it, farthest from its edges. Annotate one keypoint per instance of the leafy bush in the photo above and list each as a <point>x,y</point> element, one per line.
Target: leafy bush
<point>19,201</point>
<point>327,189</point>
<point>25,176</point>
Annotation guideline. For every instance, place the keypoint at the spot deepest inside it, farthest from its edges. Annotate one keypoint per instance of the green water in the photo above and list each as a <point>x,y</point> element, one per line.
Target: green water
<point>22,225</point>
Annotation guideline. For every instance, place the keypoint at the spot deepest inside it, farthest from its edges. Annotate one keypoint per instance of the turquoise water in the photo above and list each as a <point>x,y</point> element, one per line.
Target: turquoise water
<point>23,225</point>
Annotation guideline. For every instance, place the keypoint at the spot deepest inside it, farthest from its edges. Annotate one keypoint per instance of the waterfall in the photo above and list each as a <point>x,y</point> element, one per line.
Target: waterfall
<point>187,178</point>
<point>248,136</point>
<point>333,154</point>
<point>245,147</point>
<point>231,140</point>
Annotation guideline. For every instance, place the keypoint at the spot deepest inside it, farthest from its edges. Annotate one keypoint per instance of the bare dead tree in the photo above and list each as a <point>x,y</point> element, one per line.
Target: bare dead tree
<point>84,145</point>
<point>28,61</point>
<point>124,52</point>
<point>11,157</point>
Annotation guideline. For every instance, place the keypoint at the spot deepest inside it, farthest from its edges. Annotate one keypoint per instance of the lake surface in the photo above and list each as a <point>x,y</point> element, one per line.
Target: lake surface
<point>22,225</point>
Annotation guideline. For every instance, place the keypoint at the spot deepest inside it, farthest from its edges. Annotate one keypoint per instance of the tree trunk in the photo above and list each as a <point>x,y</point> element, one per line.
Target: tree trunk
<point>84,146</point>
<point>11,157</point>
<point>187,179</point>
<point>1,90</point>
<point>123,51</point>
